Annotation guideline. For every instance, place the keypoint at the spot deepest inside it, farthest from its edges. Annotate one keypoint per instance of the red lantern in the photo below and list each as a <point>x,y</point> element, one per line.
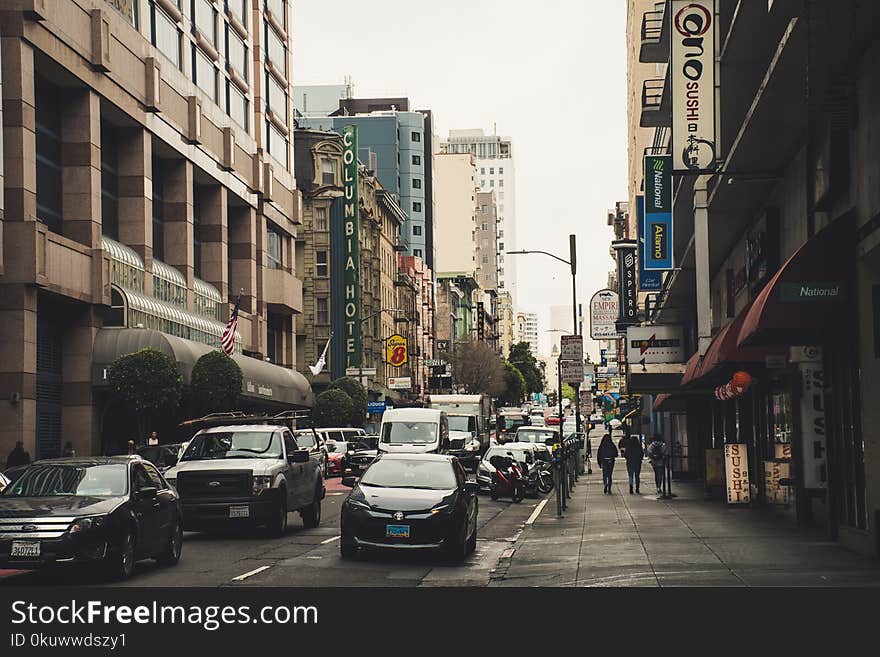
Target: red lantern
<point>742,379</point>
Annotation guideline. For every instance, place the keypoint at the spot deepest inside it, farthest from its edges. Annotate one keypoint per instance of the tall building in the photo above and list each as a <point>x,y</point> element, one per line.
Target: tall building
<point>148,184</point>
<point>506,323</point>
<point>527,330</point>
<point>320,99</point>
<point>493,158</point>
<point>454,207</point>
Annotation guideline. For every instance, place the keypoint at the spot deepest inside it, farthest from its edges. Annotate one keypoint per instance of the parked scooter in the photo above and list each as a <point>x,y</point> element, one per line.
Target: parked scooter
<point>540,477</point>
<point>507,479</point>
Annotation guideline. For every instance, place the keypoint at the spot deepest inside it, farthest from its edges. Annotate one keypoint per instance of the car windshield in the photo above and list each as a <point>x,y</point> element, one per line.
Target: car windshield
<point>396,473</point>
<point>233,445</point>
<point>518,454</point>
<point>513,423</point>
<point>462,423</point>
<point>63,479</point>
<point>356,446</point>
<point>532,436</point>
<point>409,433</point>
<point>335,446</point>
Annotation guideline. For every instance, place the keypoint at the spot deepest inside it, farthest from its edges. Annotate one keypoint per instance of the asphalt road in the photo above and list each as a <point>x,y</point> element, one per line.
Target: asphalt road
<point>310,557</point>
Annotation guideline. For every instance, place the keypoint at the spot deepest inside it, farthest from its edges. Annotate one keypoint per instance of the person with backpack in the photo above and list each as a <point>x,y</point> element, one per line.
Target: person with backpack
<point>633,453</point>
<point>657,456</point>
<point>605,455</point>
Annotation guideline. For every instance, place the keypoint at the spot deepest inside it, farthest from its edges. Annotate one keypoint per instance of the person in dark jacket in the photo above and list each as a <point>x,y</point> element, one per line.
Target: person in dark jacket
<point>631,446</point>
<point>18,456</point>
<point>605,455</point>
<point>657,455</point>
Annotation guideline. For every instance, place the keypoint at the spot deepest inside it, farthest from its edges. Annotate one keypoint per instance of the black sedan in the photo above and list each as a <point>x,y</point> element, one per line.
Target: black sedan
<point>107,512</point>
<point>410,501</point>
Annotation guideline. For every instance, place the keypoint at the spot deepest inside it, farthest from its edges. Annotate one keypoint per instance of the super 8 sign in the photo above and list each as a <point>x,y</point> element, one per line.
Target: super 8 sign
<point>395,350</point>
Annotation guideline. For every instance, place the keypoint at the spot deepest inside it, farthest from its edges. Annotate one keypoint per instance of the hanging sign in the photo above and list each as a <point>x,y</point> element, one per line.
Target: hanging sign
<point>395,350</point>
<point>351,225</point>
<point>736,466</point>
<point>692,75</point>
<point>628,314</point>
<point>649,281</point>
<point>604,309</point>
<point>813,421</point>
<point>658,213</point>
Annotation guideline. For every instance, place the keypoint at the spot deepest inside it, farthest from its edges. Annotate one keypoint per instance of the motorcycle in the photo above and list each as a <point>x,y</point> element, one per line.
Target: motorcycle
<point>540,477</point>
<point>507,479</point>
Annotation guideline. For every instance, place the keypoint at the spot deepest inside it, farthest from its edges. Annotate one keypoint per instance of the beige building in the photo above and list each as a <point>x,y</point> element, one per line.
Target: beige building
<point>506,323</point>
<point>147,180</point>
<point>455,191</point>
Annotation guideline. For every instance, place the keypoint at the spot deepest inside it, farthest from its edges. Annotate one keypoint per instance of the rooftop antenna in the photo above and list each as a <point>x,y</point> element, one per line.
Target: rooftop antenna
<point>494,128</point>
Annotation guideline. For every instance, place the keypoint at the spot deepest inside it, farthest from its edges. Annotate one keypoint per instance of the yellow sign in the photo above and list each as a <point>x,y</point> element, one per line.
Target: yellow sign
<point>395,350</point>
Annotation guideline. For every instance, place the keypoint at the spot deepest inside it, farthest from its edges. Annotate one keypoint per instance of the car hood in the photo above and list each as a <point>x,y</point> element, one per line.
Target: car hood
<point>364,452</point>
<point>257,466</point>
<point>459,434</point>
<point>67,505</point>
<point>405,499</point>
<point>408,448</point>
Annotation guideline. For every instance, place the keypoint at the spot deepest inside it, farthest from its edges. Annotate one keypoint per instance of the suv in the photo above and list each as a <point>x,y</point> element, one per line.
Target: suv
<point>248,473</point>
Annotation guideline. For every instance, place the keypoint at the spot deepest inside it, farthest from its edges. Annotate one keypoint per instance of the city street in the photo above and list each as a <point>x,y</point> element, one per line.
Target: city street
<point>310,557</point>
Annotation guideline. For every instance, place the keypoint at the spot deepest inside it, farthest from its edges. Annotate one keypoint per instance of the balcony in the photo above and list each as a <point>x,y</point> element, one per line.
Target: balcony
<point>282,291</point>
<point>656,105</point>
<point>655,38</point>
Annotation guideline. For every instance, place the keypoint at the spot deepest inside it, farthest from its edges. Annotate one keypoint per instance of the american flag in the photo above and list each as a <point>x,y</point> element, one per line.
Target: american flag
<point>227,341</point>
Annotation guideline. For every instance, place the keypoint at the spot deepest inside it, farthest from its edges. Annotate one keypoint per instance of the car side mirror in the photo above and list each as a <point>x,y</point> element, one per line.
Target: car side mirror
<point>299,456</point>
<point>351,482</point>
<point>147,493</point>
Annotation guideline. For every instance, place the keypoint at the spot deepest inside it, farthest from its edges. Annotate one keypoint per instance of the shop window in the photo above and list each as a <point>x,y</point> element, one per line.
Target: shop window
<point>48,142</point>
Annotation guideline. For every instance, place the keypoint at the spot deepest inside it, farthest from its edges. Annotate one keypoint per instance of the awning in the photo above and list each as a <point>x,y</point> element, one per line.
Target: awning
<point>691,369</point>
<point>653,377</point>
<point>809,298</point>
<point>725,350</point>
<point>260,380</point>
<point>670,403</point>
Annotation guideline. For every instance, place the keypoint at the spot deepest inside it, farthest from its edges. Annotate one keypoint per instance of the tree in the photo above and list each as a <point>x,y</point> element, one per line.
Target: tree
<point>145,383</point>
<point>514,385</point>
<point>215,383</point>
<point>522,357</point>
<point>477,369</point>
<point>568,392</point>
<point>358,396</point>
<point>332,408</point>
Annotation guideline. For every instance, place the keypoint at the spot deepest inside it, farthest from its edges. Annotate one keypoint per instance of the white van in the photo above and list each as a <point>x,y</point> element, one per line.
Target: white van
<point>414,430</point>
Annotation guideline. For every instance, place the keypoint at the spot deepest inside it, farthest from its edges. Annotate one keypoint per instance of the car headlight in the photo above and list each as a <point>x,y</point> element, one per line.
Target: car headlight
<point>443,508</point>
<point>261,483</point>
<point>84,524</point>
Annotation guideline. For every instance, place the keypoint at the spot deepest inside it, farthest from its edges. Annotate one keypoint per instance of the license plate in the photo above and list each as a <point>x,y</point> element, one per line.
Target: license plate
<point>397,531</point>
<point>25,549</point>
<point>239,512</point>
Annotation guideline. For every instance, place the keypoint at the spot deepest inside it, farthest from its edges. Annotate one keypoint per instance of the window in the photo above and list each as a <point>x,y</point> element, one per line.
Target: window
<point>416,136</point>
<point>165,35</point>
<point>416,160</point>
<point>501,183</point>
<point>205,20</point>
<point>277,98</point>
<point>321,263</point>
<point>491,183</point>
<point>276,143</point>
<point>320,218</point>
<point>109,182</point>
<point>417,253</point>
<point>500,233</point>
<point>205,73</point>
<point>501,171</point>
<point>417,207</point>
<point>276,51</point>
<point>482,171</point>
<point>237,105</point>
<point>236,53</point>
<point>501,245</point>
<point>239,9</point>
<point>417,183</point>
<point>322,314</point>
<point>158,210</point>
<point>482,184</point>
<point>277,9</point>
<point>417,230</point>
<point>485,260</point>
<point>484,209</point>
<point>328,172</point>
<point>48,138</point>
<point>491,171</point>
<point>274,249</point>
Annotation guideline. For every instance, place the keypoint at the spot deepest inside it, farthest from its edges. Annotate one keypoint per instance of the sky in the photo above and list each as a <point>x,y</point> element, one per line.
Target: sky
<point>552,76</point>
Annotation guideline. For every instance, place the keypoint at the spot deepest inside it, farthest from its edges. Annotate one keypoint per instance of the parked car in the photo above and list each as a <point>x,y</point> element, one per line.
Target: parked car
<point>410,501</point>
<point>107,512</point>
<point>336,441</point>
<point>4,482</point>
<point>414,431</point>
<point>248,474</point>
<point>312,440</point>
<point>543,436</point>
<point>536,419</point>
<point>358,457</point>
<point>553,421</point>
<point>162,456</point>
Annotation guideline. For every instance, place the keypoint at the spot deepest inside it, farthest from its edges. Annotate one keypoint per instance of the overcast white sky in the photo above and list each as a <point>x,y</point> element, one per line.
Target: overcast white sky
<point>551,75</point>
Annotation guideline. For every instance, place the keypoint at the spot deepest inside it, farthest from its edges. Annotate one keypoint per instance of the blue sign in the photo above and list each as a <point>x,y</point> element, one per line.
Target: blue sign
<point>603,361</point>
<point>658,213</point>
<point>649,281</point>
<point>376,407</point>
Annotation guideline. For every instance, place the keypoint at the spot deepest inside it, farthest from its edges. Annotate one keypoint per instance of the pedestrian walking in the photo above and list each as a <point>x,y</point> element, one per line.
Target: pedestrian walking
<point>68,450</point>
<point>18,455</point>
<point>153,439</point>
<point>633,453</point>
<point>605,455</point>
<point>657,456</point>
<point>131,447</point>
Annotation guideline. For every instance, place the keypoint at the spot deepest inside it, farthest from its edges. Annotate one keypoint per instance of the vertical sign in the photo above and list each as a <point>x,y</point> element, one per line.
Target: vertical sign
<point>658,213</point>
<point>626,283</point>
<point>481,320</point>
<point>812,416</point>
<point>351,222</point>
<point>692,70</point>
<point>649,281</point>
<point>736,465</point>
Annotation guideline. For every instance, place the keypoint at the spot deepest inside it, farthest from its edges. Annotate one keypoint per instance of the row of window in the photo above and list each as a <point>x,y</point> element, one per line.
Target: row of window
<point>491,183</point>
<point>491,171</point>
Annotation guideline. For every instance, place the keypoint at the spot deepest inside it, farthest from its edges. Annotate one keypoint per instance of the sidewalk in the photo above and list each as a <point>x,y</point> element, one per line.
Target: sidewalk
<point>639,540</point>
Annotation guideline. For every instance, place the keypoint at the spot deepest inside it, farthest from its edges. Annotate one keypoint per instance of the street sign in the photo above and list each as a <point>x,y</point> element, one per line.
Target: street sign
<point>356,371</point>
<point>442,345</point>
<point>434,362</point>
<point>604,309</point>
<point>399,382</point>
<point>571,347</point>
<point>376,407</point>
<point>395,350</point>
<point>572,371</point>
<point>655,344</point>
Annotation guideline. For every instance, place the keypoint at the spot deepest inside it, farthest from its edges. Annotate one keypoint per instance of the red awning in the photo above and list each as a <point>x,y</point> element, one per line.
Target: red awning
<point>724,349</point>
<point>691,369</point>
<point>808,298</point>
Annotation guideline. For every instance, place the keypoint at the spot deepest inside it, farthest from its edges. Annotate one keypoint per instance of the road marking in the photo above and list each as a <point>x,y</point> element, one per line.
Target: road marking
<point>536,512</point>
<point>250,573</point>
<point>330,540</point>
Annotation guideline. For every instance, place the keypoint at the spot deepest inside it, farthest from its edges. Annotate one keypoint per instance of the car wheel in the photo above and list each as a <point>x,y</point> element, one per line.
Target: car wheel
<point>311,515</point>
<point>278,524</point>
<point>347,548</point>
<point>170,555</point>
<point>518,495</point>
<point>472,541</point>
<point>457,551</point>
<point>120,560</point>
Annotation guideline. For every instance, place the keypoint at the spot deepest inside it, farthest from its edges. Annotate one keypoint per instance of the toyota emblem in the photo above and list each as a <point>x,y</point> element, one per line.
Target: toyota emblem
<point>213,484</point>
<point>28,528</point>
<point>398,515</point>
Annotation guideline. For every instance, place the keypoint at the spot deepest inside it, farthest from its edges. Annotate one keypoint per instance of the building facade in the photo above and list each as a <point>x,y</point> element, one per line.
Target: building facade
<point>455,202</point>
<point>527,330</point>
<point>419,299</point>
<point>148,183</point>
